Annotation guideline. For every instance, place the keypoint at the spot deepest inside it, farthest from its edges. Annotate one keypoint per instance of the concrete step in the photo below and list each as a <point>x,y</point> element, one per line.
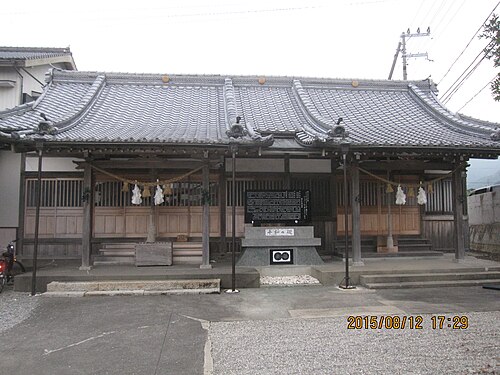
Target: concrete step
<point>430,284</point>
<point>132,287</point>
<point>418,277</point>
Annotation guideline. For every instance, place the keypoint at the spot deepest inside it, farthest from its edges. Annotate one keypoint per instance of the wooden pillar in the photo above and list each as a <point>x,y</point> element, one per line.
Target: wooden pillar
<point>205,256</point>
<point>334,199</point>
<point>356,215</point>
<point>88,203</point>
<point>222,206</point>
<point>458,213</point>
<point>287,182</point>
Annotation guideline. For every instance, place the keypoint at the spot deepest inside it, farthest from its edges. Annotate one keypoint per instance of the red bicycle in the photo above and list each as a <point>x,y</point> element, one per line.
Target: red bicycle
<point>9,266</point>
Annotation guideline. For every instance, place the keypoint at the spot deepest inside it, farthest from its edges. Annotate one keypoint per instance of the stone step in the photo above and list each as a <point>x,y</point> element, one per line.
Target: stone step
<point>424,277</point>
<point>132,287</point>
<point>119,246</point>
<point>117,253</point>
<point>415,247</point>
<point>113,260</point>
<point>406,253</point>
<point>430,284</point>
<point>187,245</point>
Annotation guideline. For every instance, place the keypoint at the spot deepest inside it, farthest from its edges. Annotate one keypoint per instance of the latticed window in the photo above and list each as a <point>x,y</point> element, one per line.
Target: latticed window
<point>56,192</point>
<point>64,192</point>
<point>440,200</point>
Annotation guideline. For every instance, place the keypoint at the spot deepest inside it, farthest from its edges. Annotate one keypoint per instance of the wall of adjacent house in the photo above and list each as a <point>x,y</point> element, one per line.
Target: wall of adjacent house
<point>484,221</point>
<point>9,96</point>
<point>10,167</point>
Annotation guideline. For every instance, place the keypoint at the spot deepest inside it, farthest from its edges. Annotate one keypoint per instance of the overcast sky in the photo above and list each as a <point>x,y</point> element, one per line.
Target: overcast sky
<point>315,38</point>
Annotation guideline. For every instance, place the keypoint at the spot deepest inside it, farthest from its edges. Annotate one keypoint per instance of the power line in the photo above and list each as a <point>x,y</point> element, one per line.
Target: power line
<point>470,41</point>
<point>479,92</point>
<point>461,80</point>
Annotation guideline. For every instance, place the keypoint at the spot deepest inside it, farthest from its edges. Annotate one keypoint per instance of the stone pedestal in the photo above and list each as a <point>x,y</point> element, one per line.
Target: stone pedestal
<point>153,254</point>
<point>260,241</point>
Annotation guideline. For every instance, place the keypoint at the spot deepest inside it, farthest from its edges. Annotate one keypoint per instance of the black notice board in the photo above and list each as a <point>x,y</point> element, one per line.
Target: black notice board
<point>277,206</point>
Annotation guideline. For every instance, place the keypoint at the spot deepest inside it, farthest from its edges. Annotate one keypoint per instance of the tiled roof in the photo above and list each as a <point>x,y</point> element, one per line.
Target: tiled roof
<point>87,107</point>
<point>25,54</point>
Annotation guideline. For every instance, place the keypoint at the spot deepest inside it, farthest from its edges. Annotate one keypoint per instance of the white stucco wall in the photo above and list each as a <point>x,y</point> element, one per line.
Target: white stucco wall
<point>10,170</point>
<point>310,166</point>
<point>50,164</point>
<point>9,96</point>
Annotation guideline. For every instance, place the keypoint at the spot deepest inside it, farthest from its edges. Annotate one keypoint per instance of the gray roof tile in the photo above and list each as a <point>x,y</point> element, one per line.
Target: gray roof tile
<point>29,53</point>
<point>117,107</point>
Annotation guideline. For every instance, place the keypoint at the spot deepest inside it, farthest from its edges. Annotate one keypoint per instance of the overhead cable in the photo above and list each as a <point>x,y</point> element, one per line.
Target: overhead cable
<point>470,41</point>
<point>476,94</point>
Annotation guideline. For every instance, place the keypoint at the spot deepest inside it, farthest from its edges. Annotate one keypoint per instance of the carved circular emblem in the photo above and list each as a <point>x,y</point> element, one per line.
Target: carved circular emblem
<point>262,80</point>
<point>165,79</point>
<point>355,83</point>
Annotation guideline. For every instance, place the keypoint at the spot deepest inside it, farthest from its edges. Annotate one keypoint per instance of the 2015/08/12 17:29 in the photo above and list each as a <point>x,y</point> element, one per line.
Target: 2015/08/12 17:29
<point>403,322</point>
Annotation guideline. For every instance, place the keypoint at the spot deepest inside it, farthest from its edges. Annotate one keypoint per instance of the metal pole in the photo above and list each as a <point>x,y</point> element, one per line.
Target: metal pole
<point>346,224</point>
<point>38,197</point>
<point>405,74</point>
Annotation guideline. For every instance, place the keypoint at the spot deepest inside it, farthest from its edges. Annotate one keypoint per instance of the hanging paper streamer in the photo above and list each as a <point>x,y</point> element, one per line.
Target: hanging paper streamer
<point>146,193</point>
<point>159,196</point>
<point>136,195</point>
<point>400,196</point>
<point>421,197</point>
<point>389,189</point>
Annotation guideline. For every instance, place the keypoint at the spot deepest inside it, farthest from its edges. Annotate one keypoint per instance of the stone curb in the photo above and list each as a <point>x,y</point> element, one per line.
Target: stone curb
<point>108,293</point>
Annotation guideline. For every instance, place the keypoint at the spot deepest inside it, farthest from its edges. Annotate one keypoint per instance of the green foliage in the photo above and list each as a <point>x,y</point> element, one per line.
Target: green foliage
<point>491,31</point>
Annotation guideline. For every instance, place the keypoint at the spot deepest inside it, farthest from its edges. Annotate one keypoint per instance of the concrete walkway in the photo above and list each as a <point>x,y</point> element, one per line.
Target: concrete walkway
<point>330,273</point>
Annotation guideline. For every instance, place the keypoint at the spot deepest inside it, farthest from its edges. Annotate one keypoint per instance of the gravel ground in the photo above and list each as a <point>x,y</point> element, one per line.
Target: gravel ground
<point>288,280</point>
<point>15,307</point>
<point>326,346</point>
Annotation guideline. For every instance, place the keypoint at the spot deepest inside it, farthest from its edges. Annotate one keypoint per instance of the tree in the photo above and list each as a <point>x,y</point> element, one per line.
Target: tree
<point>491,31</point>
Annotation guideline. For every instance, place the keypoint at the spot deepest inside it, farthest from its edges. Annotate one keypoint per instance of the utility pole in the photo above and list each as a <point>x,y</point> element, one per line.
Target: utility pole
<point>402,48</point>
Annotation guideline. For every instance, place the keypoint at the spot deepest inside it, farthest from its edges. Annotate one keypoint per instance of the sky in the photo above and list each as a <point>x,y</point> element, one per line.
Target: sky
<point>317,38</point>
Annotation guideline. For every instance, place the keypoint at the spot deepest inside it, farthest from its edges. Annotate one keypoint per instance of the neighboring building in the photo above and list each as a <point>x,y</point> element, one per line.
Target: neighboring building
<point>22,77</point>
<point>112,130</point>
<point>484,220</point>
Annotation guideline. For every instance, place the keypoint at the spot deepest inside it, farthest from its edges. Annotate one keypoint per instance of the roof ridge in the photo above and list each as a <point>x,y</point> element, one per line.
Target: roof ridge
<point>83,107</point>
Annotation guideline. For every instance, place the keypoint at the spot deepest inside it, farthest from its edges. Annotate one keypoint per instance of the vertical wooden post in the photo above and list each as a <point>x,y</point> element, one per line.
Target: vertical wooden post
<point>334,208</point>
<point>223,206</point>
<point>458,213</point>
<point>88,193</point>
<point>356,215</point>
<point>287,181</point>
<point>38,195</point>
<point>205,257</point>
